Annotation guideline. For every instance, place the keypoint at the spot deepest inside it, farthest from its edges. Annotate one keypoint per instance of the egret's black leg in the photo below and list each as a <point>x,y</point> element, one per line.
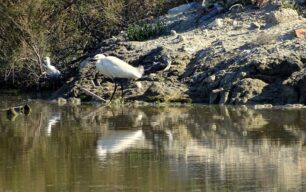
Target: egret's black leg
<point>122,93</point>
<point>114,90</point>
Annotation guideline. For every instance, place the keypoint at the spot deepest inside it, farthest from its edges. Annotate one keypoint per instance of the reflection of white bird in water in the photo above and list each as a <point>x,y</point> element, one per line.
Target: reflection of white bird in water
<point>51,70</point>
<point>169,135</point>
<point>117,141</point>
<point>114,68</point>
<point>51,122</point>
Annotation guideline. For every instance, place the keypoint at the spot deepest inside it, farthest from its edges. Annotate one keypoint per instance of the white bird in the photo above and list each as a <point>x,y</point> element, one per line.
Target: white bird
<point>51,70</point>
<point>114,68</point>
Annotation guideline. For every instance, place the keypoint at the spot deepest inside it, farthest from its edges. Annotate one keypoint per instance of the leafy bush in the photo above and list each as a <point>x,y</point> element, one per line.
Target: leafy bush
<point>145,31</point>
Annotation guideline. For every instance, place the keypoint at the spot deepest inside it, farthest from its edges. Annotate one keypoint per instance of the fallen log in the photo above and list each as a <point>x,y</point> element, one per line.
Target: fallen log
<point>92,95</point>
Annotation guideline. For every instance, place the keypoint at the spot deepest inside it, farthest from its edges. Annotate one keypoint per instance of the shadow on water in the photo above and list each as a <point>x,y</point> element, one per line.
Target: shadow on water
<point>204,148</point>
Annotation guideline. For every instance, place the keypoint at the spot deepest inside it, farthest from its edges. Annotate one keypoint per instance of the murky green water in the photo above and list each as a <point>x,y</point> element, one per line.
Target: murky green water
<point>84,148</point>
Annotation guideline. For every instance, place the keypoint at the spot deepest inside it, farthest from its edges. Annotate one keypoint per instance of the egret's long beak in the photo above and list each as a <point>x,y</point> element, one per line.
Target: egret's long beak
<point>93,59</point>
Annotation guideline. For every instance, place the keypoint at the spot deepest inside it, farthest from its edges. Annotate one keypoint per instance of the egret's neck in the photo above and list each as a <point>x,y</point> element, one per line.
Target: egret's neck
<point>48,62</point>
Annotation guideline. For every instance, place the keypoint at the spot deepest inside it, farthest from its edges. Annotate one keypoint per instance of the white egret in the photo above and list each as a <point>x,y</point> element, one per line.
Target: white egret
<point>51,70</point>
<point>115,68</point>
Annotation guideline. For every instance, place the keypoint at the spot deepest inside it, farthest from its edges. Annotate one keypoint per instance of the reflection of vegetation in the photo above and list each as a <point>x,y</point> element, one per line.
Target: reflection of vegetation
<point>66,159</point>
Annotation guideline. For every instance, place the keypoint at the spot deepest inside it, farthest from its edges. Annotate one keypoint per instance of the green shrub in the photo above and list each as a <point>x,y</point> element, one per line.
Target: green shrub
<point>145,31</point>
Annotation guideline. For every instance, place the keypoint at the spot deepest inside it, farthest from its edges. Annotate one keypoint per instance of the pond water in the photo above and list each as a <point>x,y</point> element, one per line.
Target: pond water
<point>198,148</point>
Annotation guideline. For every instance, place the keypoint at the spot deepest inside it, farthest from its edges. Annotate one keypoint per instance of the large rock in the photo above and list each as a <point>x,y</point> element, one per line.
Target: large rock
<point>165,93</point>
<point>281,67</point>
<point>298,80</point>
<point>246,90</point>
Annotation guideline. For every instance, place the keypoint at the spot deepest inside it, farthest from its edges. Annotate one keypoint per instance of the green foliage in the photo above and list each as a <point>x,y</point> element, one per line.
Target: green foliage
<point>145,31</point>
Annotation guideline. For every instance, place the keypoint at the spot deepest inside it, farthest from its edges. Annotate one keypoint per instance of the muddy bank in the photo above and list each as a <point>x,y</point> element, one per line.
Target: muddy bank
<point>249,57</point>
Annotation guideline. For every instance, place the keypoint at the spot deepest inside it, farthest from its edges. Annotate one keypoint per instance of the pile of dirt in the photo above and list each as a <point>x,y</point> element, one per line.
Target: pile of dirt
<point>247,57</point>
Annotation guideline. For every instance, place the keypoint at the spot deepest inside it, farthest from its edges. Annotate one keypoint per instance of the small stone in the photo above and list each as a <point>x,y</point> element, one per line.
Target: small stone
<point>206,32</point>
<point>74,101</point>
<point>153,77</point>
<point>138,84</point>
<point>217,23</point>
<point>224,97</point>
<point>244,100</point>
<point>61,101</point>
<point>300,33</point>
<point>243,74</point>
<point>210,79</point>
<point>173,33</point>
<point>255,25</point>
<point>213,127</point>
<point>217,90</point>
<point>180,38</point>
<point>235,23</point>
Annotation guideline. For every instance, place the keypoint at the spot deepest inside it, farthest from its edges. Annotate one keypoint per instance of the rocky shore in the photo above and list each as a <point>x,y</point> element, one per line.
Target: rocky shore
<point>249,56</point>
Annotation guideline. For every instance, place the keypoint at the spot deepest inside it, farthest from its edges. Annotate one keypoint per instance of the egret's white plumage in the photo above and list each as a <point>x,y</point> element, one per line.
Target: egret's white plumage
<point>51,70</point>
<point>114,67</point>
